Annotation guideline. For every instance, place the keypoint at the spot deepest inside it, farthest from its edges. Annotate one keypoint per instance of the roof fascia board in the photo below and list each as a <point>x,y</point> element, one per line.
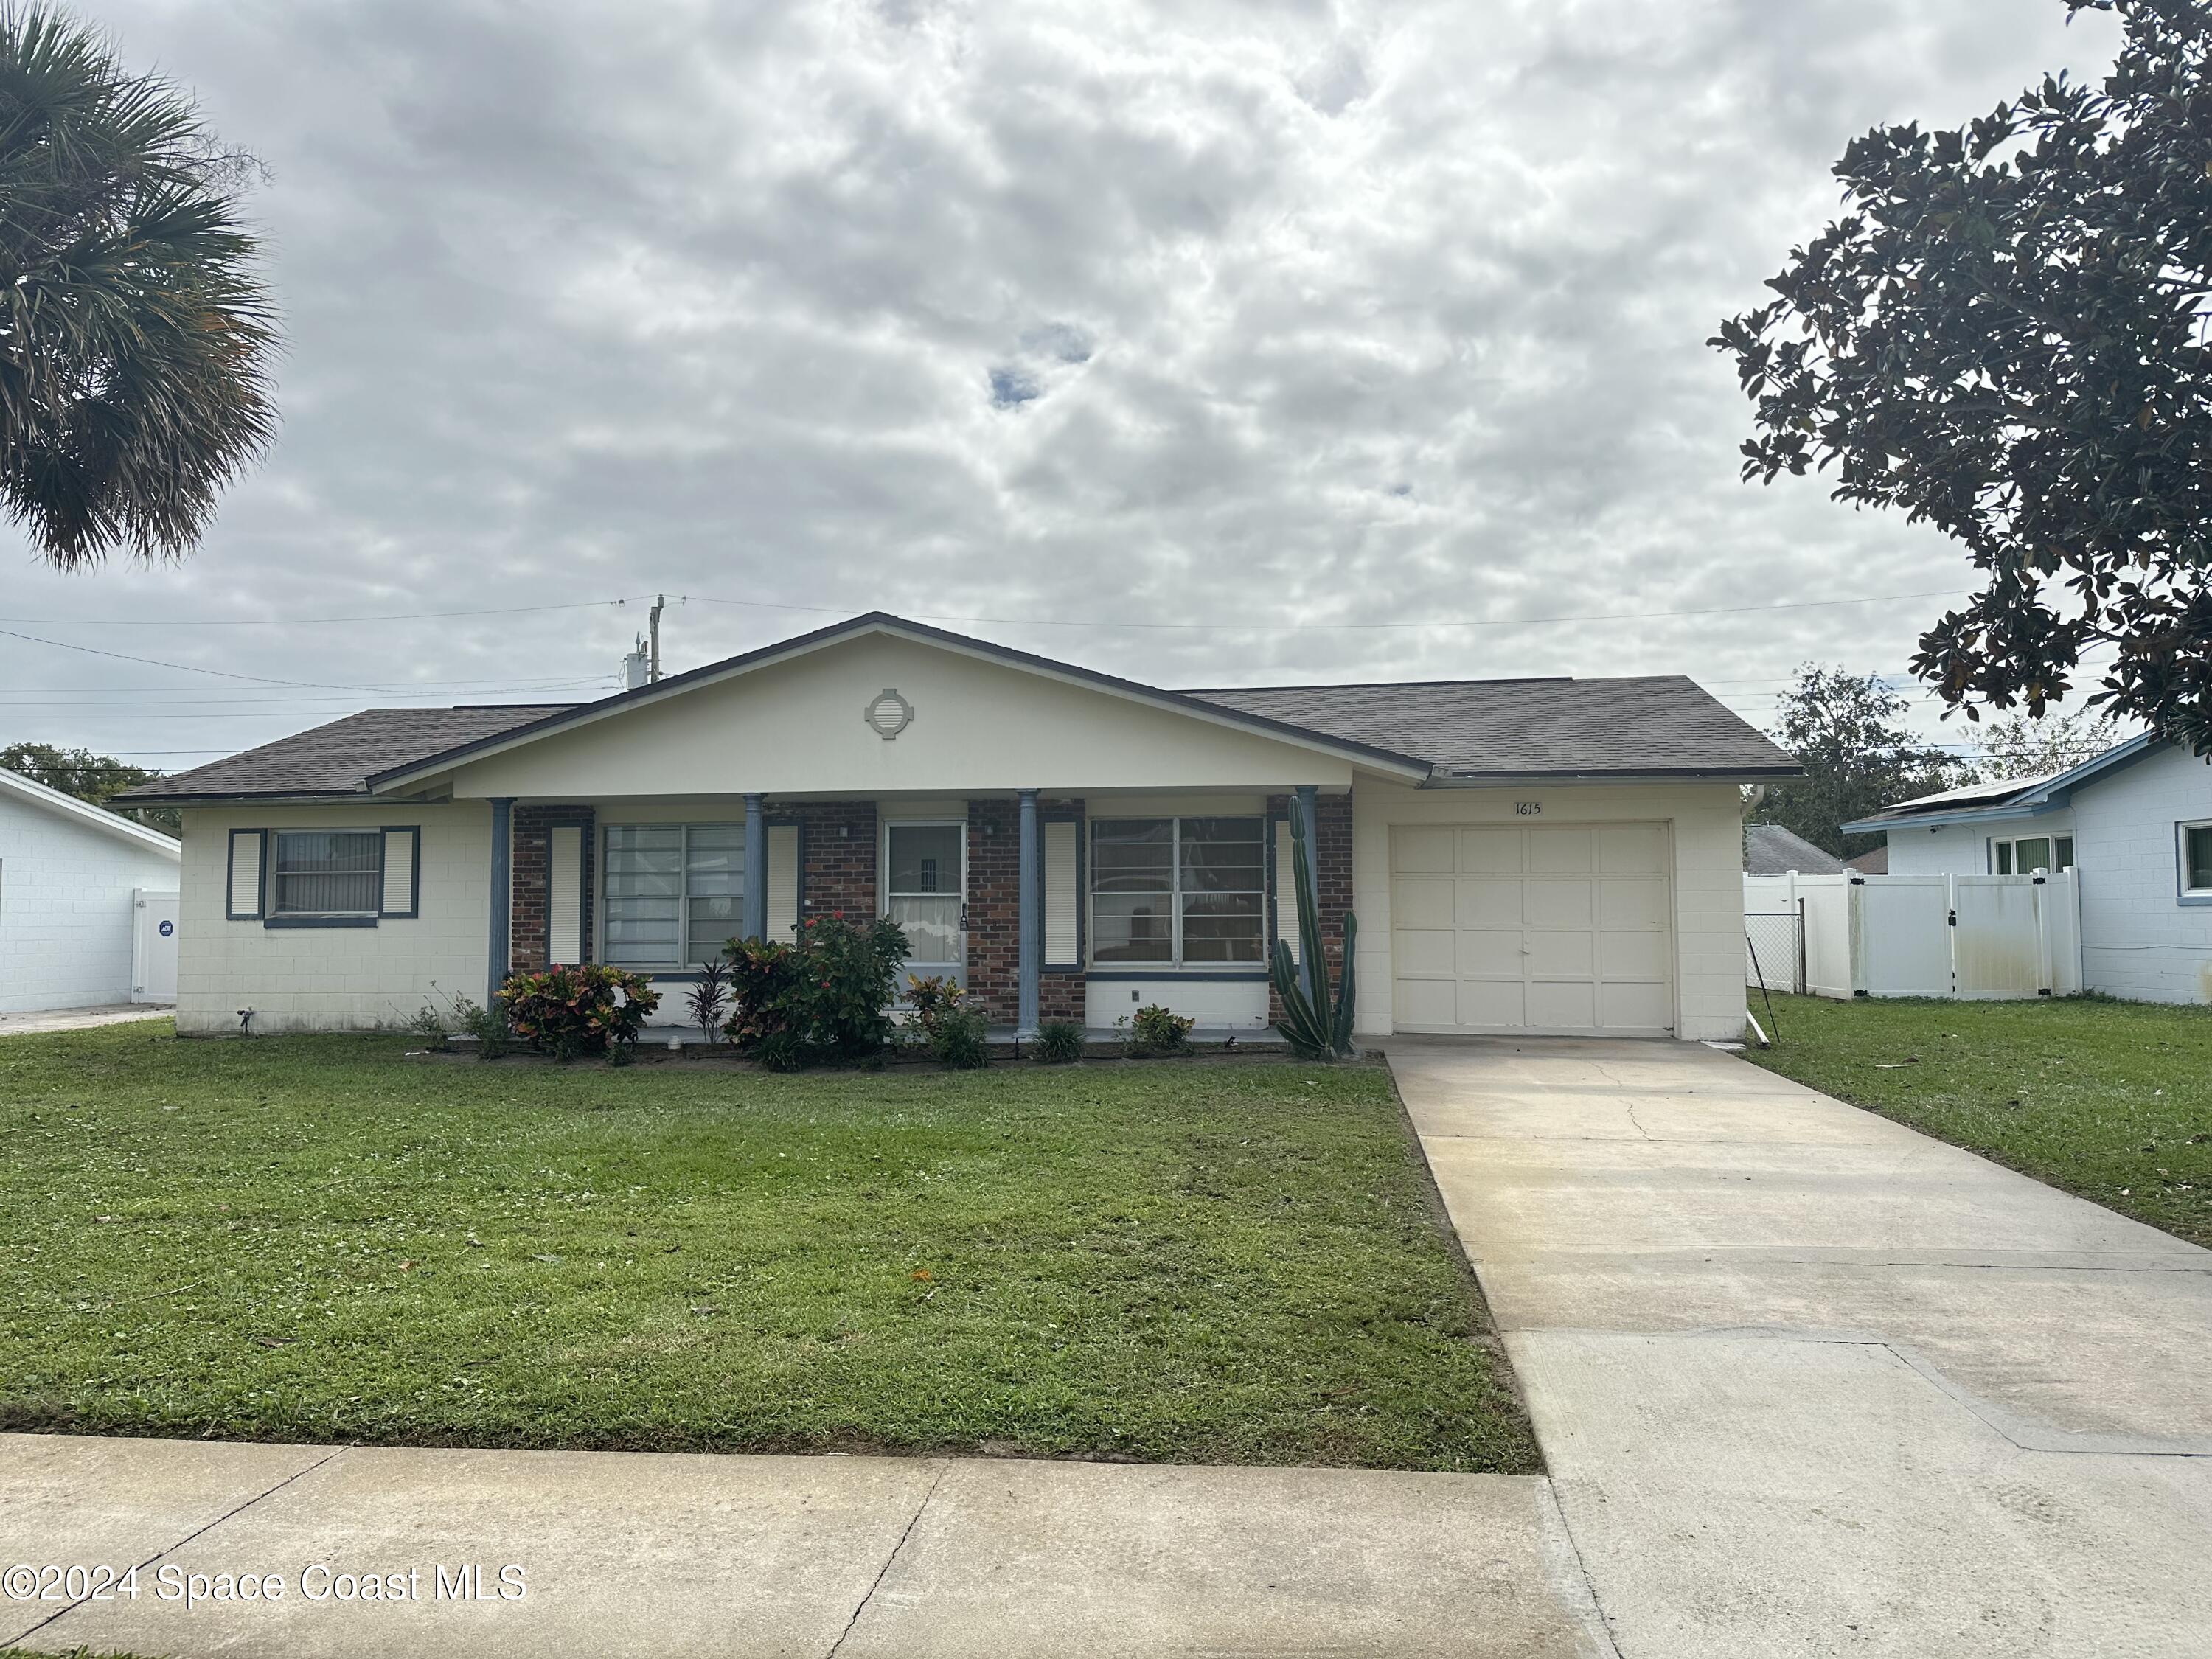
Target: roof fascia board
<point>2008,813</point>
<point>98,817</point>
<point>2060,789</point>
<point>1647,775</point>
<point>769,656</point>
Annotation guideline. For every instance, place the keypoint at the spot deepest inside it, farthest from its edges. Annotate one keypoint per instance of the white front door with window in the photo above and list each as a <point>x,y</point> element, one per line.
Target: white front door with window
<point>1561,929</point>
<point>924,869</point>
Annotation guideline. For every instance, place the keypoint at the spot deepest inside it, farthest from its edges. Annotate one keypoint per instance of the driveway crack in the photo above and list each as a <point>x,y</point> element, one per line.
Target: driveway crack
<point>890,1560</point>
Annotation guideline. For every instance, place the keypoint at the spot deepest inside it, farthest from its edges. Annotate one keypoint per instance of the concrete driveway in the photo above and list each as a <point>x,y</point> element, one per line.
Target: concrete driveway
<point>1809,1382</point>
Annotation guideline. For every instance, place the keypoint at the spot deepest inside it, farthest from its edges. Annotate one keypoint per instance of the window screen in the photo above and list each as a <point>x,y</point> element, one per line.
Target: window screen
<point>1189,891</point>
<point>326,872</point>
<point>675,893</point>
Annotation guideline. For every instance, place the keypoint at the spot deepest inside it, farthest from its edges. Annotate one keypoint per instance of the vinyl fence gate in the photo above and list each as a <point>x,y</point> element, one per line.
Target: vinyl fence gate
<point>1973,937</point>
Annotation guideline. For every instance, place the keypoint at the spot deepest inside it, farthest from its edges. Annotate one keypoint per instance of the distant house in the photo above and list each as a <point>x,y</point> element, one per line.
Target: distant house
<point>1873,862</point>
<point>69,875</point>
<point>2136,822</point>
<point>1770,849</point>
<point>1542,855</point>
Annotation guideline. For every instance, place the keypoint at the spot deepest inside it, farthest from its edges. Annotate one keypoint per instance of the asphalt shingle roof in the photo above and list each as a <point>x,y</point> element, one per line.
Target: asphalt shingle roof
<point>336,759</point>
<point>1523,728</point>
<point>1773,849</point>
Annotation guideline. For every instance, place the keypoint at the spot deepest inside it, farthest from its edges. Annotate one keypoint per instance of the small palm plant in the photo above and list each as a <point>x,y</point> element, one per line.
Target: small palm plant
<point>1315,1026</point>
<point>710,997</point>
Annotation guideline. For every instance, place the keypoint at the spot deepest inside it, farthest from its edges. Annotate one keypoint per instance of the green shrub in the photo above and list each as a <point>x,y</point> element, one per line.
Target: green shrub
<point>577,1009</point>
<point>1058,1043</point>
<point>827,996</point>
<point>1157,1030</point>
<point>960,1039</point>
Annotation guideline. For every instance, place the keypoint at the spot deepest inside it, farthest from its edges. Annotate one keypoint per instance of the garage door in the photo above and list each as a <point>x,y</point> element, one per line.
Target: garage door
<point>1556,928</point>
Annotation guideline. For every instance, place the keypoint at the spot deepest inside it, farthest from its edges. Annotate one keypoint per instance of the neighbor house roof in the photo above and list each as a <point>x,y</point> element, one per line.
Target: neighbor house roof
<point>1773,849</point>
<point>1450,730</point>
<point>2008,798</point>
<point>337,759</point>
<point>19,787</point>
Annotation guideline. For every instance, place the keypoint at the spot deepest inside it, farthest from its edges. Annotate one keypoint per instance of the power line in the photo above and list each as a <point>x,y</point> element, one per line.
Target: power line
<point>229,674</point>
<point>311,622</point>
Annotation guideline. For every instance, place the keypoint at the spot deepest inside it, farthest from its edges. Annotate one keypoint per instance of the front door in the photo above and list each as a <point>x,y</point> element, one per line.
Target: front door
<point>925,892</point>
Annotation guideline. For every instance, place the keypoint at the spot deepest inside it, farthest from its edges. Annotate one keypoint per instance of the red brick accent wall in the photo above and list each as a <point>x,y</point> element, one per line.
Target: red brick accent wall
<point>532,861</point>
<point>1332,880</point>
<point>994,939</point>
<point>837,853</point>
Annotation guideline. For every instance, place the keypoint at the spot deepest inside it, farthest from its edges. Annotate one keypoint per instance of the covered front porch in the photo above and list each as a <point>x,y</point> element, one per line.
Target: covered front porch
<point>1046,906</point>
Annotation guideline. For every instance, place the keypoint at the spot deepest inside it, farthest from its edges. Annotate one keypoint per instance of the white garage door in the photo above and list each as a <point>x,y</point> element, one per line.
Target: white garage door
<point>1556,928</point>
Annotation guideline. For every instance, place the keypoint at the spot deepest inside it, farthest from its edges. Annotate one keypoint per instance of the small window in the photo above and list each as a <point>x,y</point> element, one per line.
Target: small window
<point>326,872</point>
<point>2197,860</point>
<point>2031,855</point>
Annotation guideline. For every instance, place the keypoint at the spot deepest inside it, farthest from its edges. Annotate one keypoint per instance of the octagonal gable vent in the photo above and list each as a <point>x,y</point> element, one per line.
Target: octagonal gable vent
<point>888,713</point>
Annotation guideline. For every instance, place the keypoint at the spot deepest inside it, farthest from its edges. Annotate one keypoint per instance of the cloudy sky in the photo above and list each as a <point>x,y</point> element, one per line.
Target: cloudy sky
<point>1203,343</point>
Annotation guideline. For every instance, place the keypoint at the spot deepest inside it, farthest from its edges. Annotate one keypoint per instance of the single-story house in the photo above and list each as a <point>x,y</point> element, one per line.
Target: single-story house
<point>1523,855</point>
<point>72,876</point>
<point>2136,822</point>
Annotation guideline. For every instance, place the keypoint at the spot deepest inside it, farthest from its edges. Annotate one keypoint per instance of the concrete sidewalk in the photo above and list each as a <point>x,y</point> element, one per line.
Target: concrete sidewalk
<point>81,1019</point>
<point>809,1557</point>
<point>1809,1382</point>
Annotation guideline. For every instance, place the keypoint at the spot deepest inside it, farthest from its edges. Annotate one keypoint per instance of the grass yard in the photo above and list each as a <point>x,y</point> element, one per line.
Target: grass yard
<point>2110,1100</point>
<point>314,1238</point>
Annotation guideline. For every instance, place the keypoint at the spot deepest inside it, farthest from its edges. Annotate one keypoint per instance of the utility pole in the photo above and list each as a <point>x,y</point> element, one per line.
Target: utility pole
<point>653,666</point>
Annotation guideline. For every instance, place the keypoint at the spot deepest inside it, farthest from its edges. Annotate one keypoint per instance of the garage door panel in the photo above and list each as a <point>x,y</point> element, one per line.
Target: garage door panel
<point>1494,1004</point>
<point>1491,852</point>
<point>1629,1007</point>
<point>1422,852</point>
<point>1421,902</point>
<point>1559,953</point>
<point>1546,927</point>
<point>1561,852</point>
<point>1491,953</point>
<point>1484,901</point>
<point>1425,950</point>
<point>1631,955</point>
<point>1633,904</point>
<point>1432,1002</point>
<point>1557,904</point>
<point>1562,1006</point>
<point>1632,849</point>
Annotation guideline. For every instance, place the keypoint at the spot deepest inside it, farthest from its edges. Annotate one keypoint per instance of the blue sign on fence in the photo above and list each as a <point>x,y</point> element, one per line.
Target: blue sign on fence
<point>167,928</point>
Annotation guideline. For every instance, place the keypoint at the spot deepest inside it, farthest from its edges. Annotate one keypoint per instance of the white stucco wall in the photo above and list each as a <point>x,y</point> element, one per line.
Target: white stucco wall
<point>980,727</point>
<point>1706,822</point>
<point>333,978</point>
<point>1963,849</point>
<point>65,916</point>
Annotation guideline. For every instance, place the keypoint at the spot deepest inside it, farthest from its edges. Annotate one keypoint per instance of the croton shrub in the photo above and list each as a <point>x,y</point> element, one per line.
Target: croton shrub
<point>577,1009</point>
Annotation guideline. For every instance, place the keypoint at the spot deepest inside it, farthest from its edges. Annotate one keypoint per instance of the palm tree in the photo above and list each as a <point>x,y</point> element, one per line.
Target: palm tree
<point>135,336</point>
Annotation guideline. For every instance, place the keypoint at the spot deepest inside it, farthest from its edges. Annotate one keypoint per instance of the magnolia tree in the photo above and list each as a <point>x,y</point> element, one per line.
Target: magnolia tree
<point>2007,336</point>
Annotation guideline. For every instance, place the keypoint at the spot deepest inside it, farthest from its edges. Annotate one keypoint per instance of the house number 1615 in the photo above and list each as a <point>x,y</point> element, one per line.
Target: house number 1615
<point>1527,808</point>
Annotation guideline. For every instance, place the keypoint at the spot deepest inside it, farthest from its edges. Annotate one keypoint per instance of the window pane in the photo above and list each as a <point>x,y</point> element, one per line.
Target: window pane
<point>1132,855</point>
<point>2200,857</point>
<point>925,858</point>
<point>1221,927</point>
<point>321,872</point>
<point>714,922</point>
<point>1223,856</point>
<point>644,893</point>
<point>2004,858</point>
<point>2064,858</point>
<point>1132,928</point>
<point>714,860</point>
<point>2033,854</point>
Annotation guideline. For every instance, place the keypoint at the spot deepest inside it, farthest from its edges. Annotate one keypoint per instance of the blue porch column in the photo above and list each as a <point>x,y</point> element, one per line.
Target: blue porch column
<point>499,953</point>
<point>755,921</point>
<point>1032,930</point>
<point>1306,804</point>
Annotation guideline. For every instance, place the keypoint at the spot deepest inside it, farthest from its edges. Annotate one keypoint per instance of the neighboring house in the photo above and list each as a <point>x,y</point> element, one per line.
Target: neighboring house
<point>68,873</point>
<point>2136,822</point>
<point>1875,861</point>
<point>1532,855</point>
<point>1774,849</point>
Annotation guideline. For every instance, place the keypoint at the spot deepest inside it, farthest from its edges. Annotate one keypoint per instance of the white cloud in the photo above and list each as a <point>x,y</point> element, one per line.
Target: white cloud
<point>1280,313</point>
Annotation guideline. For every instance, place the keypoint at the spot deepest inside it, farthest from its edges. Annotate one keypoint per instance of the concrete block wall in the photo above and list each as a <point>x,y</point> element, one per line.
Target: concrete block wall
<point>2139,939</point>
<point>65,915</point>
<point>337,978</point>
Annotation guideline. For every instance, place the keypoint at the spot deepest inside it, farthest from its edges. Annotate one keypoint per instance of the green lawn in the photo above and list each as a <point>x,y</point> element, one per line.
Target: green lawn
<point>2111,1100</point>
<point>317,1238</point>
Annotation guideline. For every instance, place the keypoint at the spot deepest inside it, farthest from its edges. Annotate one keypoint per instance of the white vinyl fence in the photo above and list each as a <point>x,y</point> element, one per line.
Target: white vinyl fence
<point>1970,937</point>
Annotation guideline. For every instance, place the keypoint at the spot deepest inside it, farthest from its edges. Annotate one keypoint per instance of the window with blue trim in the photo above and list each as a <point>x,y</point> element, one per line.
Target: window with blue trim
<point>2195,860</point>
<point>326,872</point>
<point>1178,892</point>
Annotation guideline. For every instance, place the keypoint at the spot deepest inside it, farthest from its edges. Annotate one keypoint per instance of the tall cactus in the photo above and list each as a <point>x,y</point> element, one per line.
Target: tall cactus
<point>1313,1025</point>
